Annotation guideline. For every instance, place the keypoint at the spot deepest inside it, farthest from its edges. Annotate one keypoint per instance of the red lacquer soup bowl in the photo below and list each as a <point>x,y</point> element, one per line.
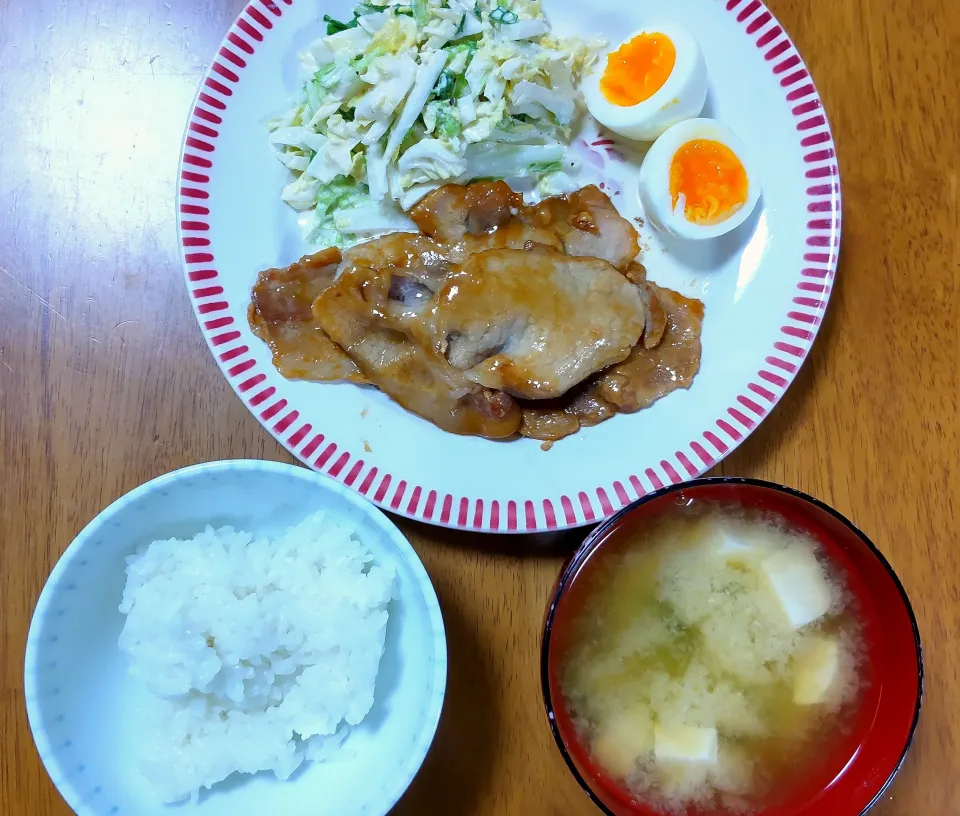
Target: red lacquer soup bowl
<point>866,756</point>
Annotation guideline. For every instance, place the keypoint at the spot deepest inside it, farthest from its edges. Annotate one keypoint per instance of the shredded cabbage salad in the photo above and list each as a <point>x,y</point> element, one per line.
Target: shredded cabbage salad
<point>412,94</point>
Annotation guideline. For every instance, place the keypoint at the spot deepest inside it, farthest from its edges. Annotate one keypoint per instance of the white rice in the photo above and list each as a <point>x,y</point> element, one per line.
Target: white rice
<point>262,652</point>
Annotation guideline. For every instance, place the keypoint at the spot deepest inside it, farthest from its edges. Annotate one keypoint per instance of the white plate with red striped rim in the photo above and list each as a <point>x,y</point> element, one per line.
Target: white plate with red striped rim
<point>765,286</point>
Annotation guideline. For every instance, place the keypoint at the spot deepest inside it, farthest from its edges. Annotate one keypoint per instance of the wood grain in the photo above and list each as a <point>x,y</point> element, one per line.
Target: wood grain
<point>106,382</point>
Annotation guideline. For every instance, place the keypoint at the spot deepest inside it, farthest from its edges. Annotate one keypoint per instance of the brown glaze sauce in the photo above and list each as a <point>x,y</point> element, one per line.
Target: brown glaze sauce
<point>497,319</point>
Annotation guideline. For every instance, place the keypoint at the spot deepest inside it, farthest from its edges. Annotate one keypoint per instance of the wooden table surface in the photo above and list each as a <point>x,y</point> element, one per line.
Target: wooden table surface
<point>106,382</point>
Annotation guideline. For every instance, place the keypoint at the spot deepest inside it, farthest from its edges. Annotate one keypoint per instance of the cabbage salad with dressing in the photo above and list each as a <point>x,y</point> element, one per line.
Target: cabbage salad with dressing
<point>413,94</point>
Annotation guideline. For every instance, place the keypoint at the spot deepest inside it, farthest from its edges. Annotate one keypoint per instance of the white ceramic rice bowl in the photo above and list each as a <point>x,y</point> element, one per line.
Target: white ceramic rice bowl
<point>83,706</point>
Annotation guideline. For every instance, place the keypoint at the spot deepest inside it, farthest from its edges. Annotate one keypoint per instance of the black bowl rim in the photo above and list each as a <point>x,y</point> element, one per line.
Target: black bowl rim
<point>576,560</point>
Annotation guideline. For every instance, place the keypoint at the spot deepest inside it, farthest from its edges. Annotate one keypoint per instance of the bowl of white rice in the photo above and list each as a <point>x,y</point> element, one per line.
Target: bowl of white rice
<point>236,637</point>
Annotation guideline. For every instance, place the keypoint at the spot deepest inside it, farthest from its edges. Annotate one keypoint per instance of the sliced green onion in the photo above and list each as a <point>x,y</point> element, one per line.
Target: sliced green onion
<point>334,26</point>
<point>362,9</point>
<point>444,87</point>
<point>368,8</point>
<point>545,167</point>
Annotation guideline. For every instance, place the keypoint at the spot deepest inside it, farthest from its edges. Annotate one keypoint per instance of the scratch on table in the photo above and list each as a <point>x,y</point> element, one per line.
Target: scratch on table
<point>43,300</point>
<point>123,323</point>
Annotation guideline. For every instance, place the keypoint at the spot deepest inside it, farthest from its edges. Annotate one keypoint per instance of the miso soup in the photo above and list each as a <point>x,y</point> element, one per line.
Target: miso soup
<point>716,656</point>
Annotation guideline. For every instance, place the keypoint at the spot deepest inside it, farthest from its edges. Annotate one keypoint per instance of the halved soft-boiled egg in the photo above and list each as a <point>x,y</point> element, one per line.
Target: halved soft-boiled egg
<point>656,78</point>
<point>696,182</point>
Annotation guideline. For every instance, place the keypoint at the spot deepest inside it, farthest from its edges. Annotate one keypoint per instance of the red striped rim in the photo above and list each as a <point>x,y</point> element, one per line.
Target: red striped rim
<point>799,327</point>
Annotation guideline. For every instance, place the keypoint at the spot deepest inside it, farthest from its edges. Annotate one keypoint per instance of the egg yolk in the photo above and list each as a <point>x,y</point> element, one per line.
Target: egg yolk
<point>638,69</point>
<point>711,179</point>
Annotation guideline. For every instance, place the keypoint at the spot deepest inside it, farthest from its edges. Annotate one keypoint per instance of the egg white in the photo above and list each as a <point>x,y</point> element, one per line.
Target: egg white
<point>681,97</point>
<point>654,180</point>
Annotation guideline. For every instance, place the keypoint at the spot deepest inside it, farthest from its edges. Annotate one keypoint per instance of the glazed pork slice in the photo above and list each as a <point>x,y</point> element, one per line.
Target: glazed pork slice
<point>372,313</point>
<point>536,322</point>
<point>489,215</point>
<point>280,315</point>
<point>589,226</point>
<point>288,292</point>
<point>550,420</point>
<point>515,234</point>
<point>416,266</point>
<point>400,250</point>
<point>655,325</point>
<point>466,220</point>
<point>648,374</point>
<point>455,210</point>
